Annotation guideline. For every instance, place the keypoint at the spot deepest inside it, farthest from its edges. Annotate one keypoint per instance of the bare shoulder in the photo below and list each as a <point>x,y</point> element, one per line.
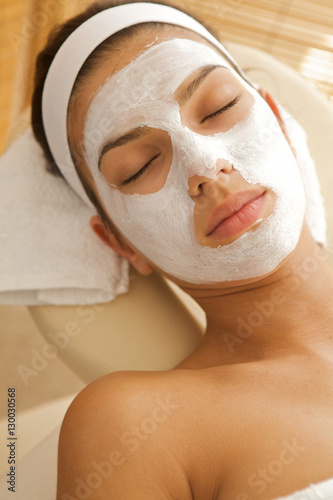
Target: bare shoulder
<point>114,440</point>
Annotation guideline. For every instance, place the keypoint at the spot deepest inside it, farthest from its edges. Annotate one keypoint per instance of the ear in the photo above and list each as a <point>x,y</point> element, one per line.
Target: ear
<point>118,246</point>
<point>273,105</point>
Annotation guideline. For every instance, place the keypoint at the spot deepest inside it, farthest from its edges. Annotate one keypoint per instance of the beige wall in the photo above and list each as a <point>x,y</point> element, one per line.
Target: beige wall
<point>299,32</point>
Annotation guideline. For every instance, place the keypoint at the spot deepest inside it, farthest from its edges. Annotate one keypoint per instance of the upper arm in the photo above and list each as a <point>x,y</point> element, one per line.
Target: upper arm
<point>113,444</point>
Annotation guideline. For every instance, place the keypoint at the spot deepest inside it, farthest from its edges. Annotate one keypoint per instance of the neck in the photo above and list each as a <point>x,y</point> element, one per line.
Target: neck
<point>289,311</point>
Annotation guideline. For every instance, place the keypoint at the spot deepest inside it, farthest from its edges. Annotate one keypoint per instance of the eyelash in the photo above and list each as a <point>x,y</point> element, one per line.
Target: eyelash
<point>141,171</point>
<point>147,165</point>
<point>222,110</point>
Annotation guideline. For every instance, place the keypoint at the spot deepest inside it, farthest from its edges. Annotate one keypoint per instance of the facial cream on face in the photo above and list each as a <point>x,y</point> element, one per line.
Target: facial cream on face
<point>161,224</point>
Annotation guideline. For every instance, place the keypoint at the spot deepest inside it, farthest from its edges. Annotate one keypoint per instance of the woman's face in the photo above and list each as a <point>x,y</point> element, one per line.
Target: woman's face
<point>189,161</point>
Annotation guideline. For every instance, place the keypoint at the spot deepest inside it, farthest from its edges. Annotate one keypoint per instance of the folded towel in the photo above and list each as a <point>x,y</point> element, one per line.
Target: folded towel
<point>48,252</point>
<point>316,491</point>
<point>315,215</point>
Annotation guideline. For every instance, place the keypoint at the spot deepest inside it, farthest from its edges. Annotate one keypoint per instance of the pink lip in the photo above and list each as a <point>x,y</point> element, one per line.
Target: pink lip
<point>236,214</point>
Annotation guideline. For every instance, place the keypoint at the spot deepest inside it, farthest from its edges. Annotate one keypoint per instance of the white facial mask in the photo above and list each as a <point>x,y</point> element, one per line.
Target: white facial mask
<point>161,225</point>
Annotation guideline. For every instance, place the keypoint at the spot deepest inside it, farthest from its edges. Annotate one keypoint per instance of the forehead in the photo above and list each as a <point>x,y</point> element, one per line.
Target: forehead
<point>158,71</point>
<point>118,59</point>
<point>145,89</point>
<point>131,48</point>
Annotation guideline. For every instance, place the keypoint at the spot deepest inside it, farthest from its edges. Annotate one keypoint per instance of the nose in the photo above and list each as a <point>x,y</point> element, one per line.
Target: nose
<point>200,184</point>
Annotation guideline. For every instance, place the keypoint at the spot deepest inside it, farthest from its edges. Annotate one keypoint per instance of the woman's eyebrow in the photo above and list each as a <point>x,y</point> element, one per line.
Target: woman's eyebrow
<point>182,97</point>
<point>123,139</point>
<point>185,94</point>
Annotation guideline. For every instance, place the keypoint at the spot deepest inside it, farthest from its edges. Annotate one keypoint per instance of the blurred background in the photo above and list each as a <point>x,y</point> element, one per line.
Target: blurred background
<point>297,32</point>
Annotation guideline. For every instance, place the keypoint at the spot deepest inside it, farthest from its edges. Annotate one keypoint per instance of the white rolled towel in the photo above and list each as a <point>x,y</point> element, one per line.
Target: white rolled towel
<point>48,251</point>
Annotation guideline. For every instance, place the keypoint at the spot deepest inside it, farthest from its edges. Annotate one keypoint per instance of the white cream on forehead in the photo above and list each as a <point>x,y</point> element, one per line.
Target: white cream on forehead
<point>161,225</point>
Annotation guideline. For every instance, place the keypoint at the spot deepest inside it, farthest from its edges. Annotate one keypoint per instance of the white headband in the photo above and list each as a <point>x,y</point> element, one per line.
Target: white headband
<point>71,57</point>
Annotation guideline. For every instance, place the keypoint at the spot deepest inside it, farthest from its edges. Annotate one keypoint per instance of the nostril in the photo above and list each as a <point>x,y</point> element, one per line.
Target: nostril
<point>195,184</point>
<point>224,166</point>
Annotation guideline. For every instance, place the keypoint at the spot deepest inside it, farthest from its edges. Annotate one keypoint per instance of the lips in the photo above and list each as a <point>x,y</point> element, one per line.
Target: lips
<point>237,213</point>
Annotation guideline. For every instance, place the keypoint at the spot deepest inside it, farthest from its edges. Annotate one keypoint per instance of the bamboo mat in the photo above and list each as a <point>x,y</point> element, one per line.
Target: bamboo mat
<point>298,32</point>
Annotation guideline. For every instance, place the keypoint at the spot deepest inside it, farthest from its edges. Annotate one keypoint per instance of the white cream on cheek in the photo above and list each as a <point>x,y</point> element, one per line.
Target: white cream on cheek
<point>161,224</point>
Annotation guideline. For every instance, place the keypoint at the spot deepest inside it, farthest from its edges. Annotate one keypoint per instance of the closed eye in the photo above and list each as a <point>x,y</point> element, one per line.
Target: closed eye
<point>140,172</point>
<point>222,110</point>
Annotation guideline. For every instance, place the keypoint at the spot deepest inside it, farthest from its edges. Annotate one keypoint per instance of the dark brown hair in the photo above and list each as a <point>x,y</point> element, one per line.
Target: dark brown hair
<point>44,60</point>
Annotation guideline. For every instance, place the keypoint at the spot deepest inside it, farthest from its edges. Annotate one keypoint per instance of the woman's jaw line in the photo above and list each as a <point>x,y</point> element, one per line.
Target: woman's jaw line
<point>198,291</point>
<point>205,292</point>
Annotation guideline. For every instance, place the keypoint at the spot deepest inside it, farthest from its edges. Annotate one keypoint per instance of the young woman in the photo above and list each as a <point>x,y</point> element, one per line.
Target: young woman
<point>192,174</point>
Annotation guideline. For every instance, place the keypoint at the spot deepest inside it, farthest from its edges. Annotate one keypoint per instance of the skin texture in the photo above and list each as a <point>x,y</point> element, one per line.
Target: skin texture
<point>249,413</point>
